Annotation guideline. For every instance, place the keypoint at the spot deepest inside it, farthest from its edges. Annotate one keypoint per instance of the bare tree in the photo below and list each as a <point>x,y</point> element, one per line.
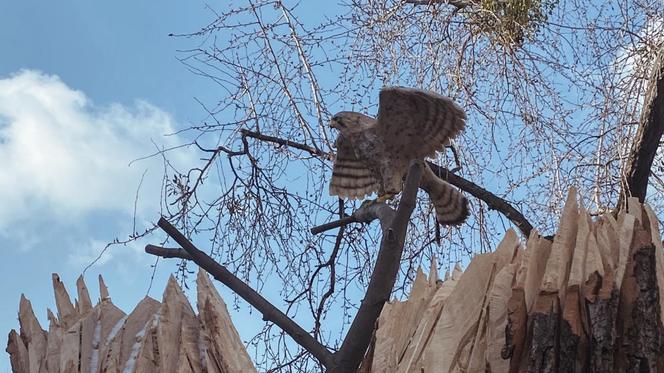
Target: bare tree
<point>554,91</point>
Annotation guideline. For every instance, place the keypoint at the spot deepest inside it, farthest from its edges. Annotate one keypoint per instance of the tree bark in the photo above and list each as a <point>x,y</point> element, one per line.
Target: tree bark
<point>648,137</point>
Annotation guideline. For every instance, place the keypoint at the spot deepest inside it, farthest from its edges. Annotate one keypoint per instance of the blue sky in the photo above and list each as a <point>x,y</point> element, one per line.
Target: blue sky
<point>85,88</point>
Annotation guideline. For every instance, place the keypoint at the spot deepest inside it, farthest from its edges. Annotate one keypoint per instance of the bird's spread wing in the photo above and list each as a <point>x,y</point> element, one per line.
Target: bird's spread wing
<point>414,124</point>
<point>350,176</point>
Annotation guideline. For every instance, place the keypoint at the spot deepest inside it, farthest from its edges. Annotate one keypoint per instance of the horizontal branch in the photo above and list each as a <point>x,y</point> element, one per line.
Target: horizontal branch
<point>289,143</point>
<point>333,224</point>
<point>269,311</point>
<point>365,214</point>
<point>166,252</point>
<point>493,201</point>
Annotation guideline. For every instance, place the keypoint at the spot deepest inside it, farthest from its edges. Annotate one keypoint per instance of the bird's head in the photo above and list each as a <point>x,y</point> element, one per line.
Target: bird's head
<point>348,122</point>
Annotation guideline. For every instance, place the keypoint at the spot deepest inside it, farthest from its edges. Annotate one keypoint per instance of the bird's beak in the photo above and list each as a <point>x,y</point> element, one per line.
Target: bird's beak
<point>334,124</point>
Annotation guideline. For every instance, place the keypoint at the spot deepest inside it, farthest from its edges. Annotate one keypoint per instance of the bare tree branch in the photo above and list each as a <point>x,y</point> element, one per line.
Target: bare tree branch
<point>382,281</point>
<point>269,311</point>
<point>648,137</point>
<point>289,143</point>
<point>493,201</point>
<point>348,358</point>
<point>166,252</point>
<point>337,223</point>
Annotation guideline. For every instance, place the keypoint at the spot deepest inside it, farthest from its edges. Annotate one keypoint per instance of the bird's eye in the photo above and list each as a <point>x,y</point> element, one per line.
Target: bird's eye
<point>338,121</point>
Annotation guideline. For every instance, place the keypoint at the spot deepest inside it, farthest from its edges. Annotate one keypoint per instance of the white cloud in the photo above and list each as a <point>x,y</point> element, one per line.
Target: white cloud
<point>63,156</point>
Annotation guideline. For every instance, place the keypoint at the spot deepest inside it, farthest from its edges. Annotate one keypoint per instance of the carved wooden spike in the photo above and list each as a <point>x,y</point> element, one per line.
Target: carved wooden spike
<point>33,335</point>
<point>85,304</point>
<point>224,351</point>
<point>399,323</point>
<point>55,337</point>
<point>145,354</point>
<point>458,322</point>
<point>635,209</point>
<point>653,227</point>
<point>107,320</point>
<point>89,343</point>
<point>557,267</point>
<point>385,354</point>
<point>18,353</point>
<point>573,339</point>
<point>103,290</point>
<point>177,322</point>
<point>501,293</point>
<point>577,265</point>
<point>122,337</point>
<point>626,234</point>
<point>70,349</point>
<point>503,257</point>
<point>429,320</point>
<point>67,314</point>
<point>415,306</point>
<point>541,251</point>
<point>608,243</point>
<point>594,263</point>
<point>433,271</point>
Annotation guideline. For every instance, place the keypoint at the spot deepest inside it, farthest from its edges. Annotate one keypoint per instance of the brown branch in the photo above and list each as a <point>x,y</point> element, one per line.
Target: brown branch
<point>289,143</point>
<point>335,224</point>
<point>166,252</point>
<point>269,311</point>
<point>648,137</point>
<point>493,201</point>
<point>394,226</point>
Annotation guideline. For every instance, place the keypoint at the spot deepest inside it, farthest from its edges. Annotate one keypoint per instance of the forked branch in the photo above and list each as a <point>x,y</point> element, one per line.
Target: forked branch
<point>493,201</point>
<point>393,224</point>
